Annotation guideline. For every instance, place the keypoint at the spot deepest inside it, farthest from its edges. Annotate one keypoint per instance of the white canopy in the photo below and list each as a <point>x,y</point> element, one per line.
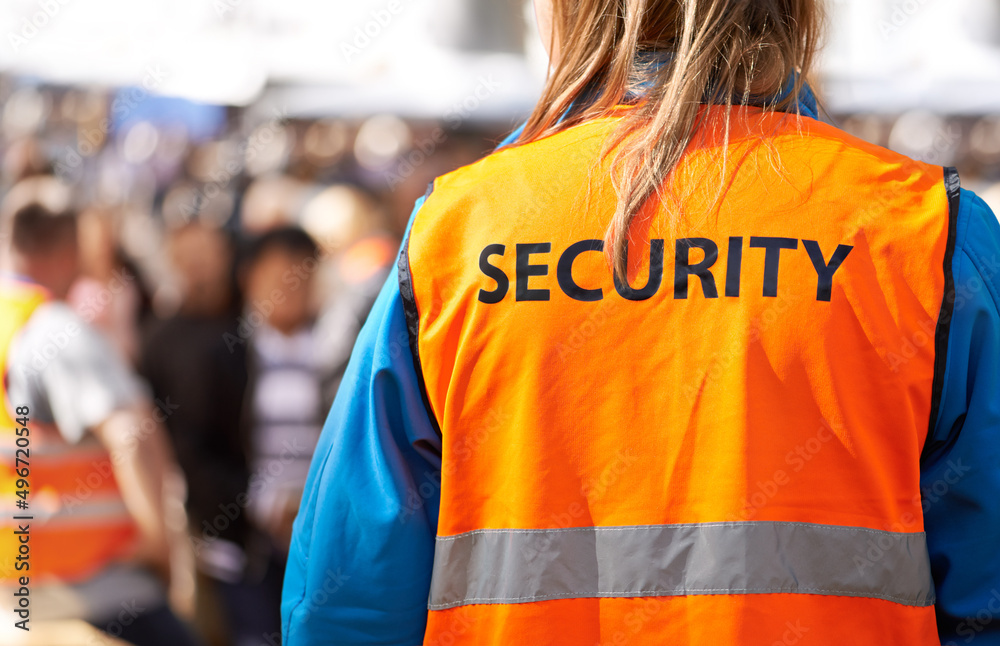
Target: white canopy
<point>894,55</point>
<point>334,57</point>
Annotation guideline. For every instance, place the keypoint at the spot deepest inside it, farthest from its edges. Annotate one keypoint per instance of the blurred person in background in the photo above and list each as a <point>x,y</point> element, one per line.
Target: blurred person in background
<point>100,464</point>
<point>108,294</point>
<point>187,358</point>
<point>271,202</point>
<point>21,159</point>
<point>357,255</point>
<point>561,425</point>
<point>273,413</point>
<point>285,406</point>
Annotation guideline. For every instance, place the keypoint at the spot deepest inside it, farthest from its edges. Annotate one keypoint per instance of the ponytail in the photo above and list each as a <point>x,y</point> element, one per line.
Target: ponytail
<point>680,57</point>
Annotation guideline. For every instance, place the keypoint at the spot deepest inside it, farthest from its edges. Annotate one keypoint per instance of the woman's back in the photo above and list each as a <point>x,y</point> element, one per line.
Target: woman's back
<point>741,419</point>
<point>680,365</point>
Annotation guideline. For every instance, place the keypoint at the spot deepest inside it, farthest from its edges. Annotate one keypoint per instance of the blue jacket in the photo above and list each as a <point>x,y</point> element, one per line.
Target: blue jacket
<point>362,551</point>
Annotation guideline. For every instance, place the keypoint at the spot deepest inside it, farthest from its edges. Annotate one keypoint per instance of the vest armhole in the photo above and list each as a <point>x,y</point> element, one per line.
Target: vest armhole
<point>408,295</point>
<point>953,189</point>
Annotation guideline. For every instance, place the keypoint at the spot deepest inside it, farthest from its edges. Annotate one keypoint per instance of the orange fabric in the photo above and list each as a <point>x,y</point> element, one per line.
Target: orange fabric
<point>562,413</point>
<point>79,551</point>
<point>747,620</point>
<point>365,258</point>
<point>82,473</point>
<point>73,481</point>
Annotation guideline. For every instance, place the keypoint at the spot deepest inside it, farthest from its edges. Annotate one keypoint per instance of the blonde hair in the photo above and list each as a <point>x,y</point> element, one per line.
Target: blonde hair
<point>679,56</point>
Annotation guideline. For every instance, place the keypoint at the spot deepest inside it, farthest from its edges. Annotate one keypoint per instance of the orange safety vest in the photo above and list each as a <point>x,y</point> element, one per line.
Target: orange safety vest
<point>79,522</point>
<point>724,450</point>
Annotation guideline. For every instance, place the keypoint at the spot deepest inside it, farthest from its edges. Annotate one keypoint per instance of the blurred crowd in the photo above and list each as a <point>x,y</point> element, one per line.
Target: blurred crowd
<point>969,142</point>
<point>229,258</point>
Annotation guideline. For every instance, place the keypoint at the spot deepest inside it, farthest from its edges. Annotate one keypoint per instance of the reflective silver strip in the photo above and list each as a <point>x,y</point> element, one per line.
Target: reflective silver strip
<point>111,508</point>
<point>521,566</point>
<point>99,508</point>
<point>88,448</point>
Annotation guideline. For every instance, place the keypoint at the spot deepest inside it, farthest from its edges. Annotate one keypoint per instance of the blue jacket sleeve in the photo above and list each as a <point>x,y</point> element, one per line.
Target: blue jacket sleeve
<point>360,561</point>
<point>960,475</point>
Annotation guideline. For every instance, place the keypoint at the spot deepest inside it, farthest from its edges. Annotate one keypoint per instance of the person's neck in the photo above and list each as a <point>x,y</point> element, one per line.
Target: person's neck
<point>34,273</point>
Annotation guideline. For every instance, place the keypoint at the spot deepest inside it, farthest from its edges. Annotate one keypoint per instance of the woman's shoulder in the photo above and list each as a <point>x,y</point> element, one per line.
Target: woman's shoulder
<point>823,137</point>
<point>513,164</point>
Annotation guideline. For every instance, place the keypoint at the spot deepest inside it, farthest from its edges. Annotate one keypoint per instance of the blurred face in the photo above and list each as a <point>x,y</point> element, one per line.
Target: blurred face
<point>97,245</point>
<point>201,257</point>
<point>58,267</point>
<point>55,266</point>
<point>68,263</point>
<point>279,286</point>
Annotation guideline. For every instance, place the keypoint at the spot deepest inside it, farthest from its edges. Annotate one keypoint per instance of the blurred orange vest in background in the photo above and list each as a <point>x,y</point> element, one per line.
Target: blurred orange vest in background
<point>80,523</point>
<point>724,450</point>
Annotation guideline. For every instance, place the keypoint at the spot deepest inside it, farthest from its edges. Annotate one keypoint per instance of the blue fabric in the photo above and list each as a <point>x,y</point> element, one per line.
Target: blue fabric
<point>807,103</point>
<point>359,566</point>
<point>960,476</point>
<point>807,106</point>
<point>512,137</point>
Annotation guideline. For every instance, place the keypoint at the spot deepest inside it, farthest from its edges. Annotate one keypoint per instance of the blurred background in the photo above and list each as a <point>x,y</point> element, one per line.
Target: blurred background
<point>245,169</point>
